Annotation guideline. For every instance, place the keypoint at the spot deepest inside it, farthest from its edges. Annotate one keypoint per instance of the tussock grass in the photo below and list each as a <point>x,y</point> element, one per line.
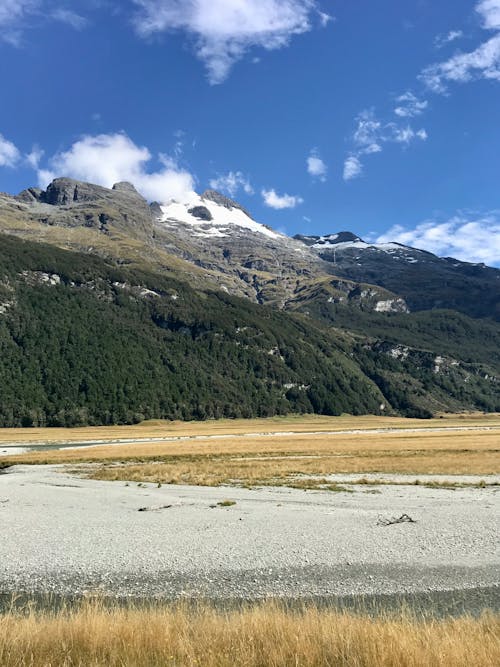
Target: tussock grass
<point>302,460</point>
<point>265,635</point>
<point>305,463</point>
<point>295,423</point>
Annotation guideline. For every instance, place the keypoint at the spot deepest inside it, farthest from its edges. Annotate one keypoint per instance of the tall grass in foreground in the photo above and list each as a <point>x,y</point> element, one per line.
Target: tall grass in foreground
<point>264,635</point>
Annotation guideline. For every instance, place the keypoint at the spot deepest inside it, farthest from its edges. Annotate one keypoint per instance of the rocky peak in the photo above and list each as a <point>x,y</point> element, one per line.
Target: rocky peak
<point>67,191</point>
<point>222,200</point>
<point>126,188</point>
<point>156,210</point>
<point>329,239</point>
<point>30,195</point>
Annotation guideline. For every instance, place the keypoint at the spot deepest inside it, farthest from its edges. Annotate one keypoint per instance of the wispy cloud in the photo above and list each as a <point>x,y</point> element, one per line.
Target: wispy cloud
<point>17,16</point>
<point>442,40</point>
<point>409,105</point>
<point>276,201</point>
<point>225,30</point>
<point>316,167</point>
<point>106,159</point>
<point>404,135</point>
<point>481,63</point>
<point>231,183</point>
<point>13,17</point>
<point>70,17</point>
<point>370,136</point>
<point>33,158</point>
<point>468,237</point>
<point>9,153</point>
<point>352,168</point>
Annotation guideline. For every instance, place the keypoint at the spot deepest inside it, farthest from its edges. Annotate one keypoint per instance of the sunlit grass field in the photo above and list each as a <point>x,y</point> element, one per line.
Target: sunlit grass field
<point>257,452</point>
<point>266,635</point>
<point>295,423</point>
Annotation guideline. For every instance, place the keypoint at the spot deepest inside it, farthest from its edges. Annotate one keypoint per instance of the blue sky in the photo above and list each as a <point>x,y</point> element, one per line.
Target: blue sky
<point>376,116</point>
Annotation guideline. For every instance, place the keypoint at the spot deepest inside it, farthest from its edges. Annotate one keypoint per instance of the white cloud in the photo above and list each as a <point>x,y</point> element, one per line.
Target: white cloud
<point>465,237</point>
<point>17,15</point>
<point>352,168</point>
<point>367,135</point>
<point>371,135</point>
<point>33,158</point>
<point>443,40</point>
<point>70,17</point>
<point>225,30</point>
<point>13,15</point>
<point>482,63</point>
<point>106,159</point>
<point>410,106</point>
<point>274,200</point>
<point>316,167</point>
<point>490,13</point>
<point>9,153</point>
<point>231,183</point>
<point>405,135</point>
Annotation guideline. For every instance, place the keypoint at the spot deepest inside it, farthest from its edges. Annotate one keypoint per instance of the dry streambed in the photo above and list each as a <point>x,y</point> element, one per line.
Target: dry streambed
<point>251,515</point>
<point>65,534</point>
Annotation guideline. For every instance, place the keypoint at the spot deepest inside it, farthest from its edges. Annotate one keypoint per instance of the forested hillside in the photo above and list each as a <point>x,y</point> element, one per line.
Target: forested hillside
<point>83,341</point>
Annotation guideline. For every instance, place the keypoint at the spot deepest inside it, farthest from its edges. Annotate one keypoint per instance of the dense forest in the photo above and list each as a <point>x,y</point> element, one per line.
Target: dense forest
<point>84,341</point>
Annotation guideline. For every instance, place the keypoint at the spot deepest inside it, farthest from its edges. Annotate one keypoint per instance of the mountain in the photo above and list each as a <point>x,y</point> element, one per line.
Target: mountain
<point>423,280</point>
<point>113,309</point>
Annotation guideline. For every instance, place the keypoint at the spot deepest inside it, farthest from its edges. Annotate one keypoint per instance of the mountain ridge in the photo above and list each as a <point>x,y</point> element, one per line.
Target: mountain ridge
<point>242,322</point>
<point>212,238</point>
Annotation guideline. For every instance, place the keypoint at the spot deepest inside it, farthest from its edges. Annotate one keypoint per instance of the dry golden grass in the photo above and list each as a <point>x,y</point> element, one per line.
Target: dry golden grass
<point>260,636</point>
<point>274,459</point>
<point>294,423</point>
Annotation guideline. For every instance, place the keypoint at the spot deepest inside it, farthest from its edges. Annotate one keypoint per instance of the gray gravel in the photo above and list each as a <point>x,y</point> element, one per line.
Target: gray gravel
<point>66,535</point>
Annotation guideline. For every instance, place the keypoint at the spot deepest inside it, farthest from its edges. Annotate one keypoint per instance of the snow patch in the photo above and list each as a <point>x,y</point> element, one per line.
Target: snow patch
<point>223,218</point>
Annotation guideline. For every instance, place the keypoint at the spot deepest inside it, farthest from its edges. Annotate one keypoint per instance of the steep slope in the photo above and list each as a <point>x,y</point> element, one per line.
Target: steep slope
<point>85,341</point>
<point>208,240</point>
<point>216,233</point>
<point>82,341</point>
<point>146,318</point>
<point>424,280</point>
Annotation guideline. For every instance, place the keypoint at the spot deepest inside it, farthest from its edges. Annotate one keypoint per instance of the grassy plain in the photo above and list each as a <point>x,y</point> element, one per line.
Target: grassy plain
<point>267,634</point>
<point>294,423</point>
<point>256,452</point>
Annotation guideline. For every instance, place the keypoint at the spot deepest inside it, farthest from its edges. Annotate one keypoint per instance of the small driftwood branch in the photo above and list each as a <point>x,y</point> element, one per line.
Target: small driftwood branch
<point>154,508</point>
<point>404,518</point>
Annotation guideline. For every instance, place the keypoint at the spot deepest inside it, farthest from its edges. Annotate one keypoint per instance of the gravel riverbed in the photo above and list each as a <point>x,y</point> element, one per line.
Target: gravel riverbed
<point>66,535</point>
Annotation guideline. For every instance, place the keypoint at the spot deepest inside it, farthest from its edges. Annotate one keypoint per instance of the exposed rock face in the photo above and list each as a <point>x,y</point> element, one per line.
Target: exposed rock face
<point>155,209</point>
<point>30,195</point>
<point>125,186</point>
<point>201,212</point>
<point>69,204</point>
<point>331,239</point>
<point>66,191</point>
<point>222,200</point>
<point>423,280</point>
<point>212,239</point>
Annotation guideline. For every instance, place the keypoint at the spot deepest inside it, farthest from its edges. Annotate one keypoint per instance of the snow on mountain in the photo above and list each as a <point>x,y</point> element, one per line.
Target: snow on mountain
<point>349,241</point>
<point>212,215</point>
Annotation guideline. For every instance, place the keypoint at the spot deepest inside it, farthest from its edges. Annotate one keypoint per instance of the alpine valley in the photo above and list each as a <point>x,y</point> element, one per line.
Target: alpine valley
<point>114,310</point>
